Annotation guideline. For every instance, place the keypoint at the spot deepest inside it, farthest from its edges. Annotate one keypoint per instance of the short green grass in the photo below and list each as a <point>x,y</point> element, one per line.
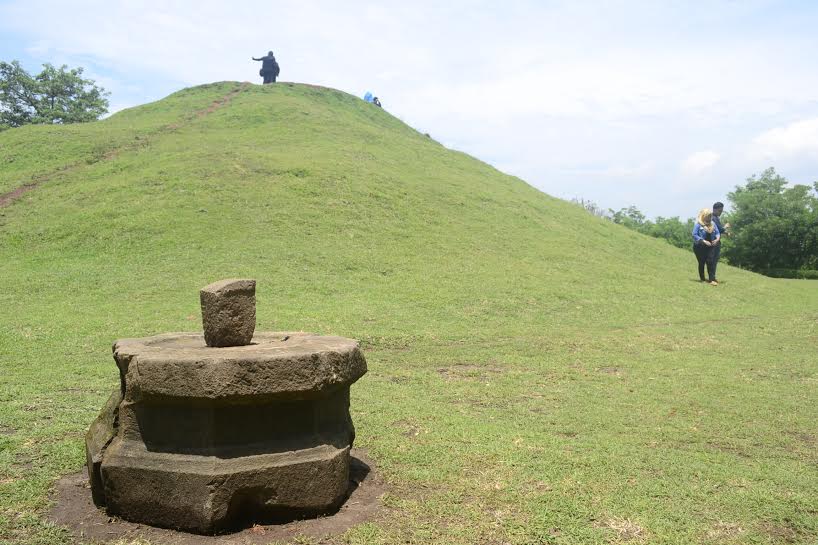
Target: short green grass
<point>537,375</point>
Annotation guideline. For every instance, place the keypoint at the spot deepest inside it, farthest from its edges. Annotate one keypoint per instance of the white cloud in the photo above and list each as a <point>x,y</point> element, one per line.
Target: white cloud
<point>796,139</point>
<point>699,162</point>
<point>614,171</point>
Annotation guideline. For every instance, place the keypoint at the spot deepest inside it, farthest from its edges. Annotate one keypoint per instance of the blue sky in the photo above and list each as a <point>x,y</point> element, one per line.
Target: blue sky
<point>662,105</point>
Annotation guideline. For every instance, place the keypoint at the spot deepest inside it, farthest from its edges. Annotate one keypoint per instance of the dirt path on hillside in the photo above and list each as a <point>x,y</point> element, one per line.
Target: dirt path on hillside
<point>8,198</point>
<point>15,194</point>
<point>223,101</point>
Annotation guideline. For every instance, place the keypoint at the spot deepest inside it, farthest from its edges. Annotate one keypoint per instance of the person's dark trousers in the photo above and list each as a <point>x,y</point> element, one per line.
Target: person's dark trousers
<point>716,255</point>
<point>704,255</point>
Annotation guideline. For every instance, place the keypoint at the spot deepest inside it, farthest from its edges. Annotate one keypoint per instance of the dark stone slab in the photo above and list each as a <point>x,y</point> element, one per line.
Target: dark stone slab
<point>229,312</point>
<point>210,494</point>
<point>73,509</point>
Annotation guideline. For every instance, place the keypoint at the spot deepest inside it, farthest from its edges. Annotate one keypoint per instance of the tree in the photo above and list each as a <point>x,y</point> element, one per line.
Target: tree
<point>673,230</point>
<point>629,217</point>
<point>774,226</point>
<point>55,95</point>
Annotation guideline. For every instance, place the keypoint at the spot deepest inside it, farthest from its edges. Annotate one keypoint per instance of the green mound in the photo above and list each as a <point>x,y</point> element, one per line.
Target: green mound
<point>537,375</point>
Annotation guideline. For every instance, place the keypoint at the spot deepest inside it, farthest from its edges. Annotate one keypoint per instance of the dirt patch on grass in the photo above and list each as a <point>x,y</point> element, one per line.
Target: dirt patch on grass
<point>730,449</point>
<point>781,532</point>
<point>409,428</point>
<point>5,430</point>
<point>625,530</point>
<point>724,530</point>
<point>468,371</point>
<point>74,509</point>
<point>481,403</point>
<point>809,439</point>
<point>802,445</point>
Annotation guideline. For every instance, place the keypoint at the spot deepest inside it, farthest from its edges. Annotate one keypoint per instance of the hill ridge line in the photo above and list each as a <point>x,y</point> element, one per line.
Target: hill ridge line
<point>9,197</point>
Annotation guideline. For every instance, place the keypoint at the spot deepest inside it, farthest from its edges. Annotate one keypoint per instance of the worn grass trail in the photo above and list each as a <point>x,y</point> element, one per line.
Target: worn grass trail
<point>537,375</point>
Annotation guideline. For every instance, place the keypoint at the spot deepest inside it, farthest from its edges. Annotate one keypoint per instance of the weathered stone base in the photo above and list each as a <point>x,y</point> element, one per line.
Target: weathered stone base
<point>72,508</point>
<point>208,439</point>
<point>206,494</point>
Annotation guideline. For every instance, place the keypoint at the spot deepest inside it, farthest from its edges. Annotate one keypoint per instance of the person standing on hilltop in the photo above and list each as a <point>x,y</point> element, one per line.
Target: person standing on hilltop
<point>705,238</point>
<point>269,67</point>
<point>718,208</point>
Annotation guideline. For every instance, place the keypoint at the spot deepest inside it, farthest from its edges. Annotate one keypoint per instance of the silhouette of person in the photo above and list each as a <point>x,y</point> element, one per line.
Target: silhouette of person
<point>376,102</point>
<point>269,67</point>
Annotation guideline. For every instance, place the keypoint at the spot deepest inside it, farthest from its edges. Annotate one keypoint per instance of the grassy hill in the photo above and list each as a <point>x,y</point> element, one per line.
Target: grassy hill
<point>537,375</point>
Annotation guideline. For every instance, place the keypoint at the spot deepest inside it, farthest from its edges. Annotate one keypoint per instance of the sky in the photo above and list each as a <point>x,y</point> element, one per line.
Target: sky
<point>663,105</point>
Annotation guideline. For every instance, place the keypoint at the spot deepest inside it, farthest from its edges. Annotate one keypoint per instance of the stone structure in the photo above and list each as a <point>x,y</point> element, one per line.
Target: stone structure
<point>207,439</point>
<point>229,312</point>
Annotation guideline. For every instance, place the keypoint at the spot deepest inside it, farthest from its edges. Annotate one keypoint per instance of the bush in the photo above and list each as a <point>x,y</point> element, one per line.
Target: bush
<point>806,274</point>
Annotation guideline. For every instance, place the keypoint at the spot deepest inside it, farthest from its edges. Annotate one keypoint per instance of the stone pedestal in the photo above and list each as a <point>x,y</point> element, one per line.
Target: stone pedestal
<point>208,439</point>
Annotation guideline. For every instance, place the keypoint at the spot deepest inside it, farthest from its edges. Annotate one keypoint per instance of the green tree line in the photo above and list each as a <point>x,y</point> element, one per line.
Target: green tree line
<point>774,226</point>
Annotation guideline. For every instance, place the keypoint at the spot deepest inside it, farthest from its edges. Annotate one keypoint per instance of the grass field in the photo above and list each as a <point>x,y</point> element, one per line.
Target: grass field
<point>537,375</point>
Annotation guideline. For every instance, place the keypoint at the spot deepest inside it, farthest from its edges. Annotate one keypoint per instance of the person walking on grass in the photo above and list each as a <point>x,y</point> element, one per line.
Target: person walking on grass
<point>718,208</point>
<point>705,238</point>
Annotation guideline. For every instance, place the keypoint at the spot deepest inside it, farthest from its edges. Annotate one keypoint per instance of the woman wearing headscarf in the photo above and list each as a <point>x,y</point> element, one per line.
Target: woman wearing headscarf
<point>705,237</point>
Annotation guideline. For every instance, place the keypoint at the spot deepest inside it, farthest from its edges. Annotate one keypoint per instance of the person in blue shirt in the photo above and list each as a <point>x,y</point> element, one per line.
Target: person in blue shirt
<point>705,238</point>
<point>718,208</point>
